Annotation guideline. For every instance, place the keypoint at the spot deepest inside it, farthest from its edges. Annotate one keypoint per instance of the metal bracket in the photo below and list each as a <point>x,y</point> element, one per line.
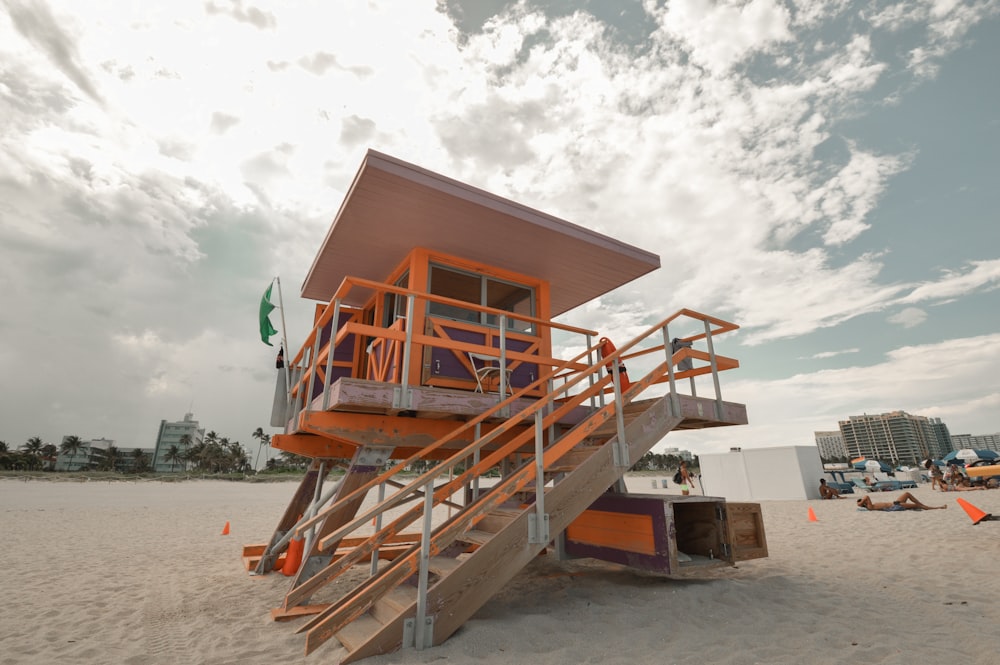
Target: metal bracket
<point>373,455</point>
<point>410,633</point>
<point>538,533</point>
<point>620,454</point>
<point>401,398</point>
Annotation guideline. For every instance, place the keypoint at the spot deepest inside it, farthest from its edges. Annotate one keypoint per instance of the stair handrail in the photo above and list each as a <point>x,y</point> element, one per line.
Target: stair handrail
<point>525,414</point>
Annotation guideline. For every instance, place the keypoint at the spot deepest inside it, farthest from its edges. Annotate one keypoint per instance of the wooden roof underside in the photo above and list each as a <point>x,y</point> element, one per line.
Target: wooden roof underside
<point>393,206</point>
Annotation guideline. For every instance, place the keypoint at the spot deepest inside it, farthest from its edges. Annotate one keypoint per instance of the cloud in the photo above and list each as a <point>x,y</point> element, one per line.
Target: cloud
<point>909,317</point>
<point>222,122</point>
<point>36,23</point>
<point>982,275</point>
<point>832,354</point>
<point>251,15</point>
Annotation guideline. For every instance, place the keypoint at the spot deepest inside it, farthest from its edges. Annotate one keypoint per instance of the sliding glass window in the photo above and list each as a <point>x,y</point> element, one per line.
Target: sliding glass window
<point>480,290</point>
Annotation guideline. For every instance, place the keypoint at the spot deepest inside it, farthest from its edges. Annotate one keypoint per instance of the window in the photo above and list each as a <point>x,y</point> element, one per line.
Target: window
<point>395,304</point>
<point>480,290</point>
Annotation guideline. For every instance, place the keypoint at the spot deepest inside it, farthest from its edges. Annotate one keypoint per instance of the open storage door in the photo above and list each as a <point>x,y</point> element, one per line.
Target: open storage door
<point>746,531</point>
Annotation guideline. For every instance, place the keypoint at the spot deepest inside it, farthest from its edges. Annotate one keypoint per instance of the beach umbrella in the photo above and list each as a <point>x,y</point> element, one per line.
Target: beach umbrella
<point>967,455</point>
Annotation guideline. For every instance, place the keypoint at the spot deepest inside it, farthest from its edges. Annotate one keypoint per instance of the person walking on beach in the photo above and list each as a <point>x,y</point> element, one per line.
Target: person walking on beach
<point>686,479</point>
<point>905,501</point>
<point>827,492</point>
<point>937,478</point>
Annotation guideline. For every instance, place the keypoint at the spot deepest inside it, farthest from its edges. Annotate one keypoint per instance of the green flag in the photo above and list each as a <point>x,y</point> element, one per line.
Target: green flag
<point>266,329</point>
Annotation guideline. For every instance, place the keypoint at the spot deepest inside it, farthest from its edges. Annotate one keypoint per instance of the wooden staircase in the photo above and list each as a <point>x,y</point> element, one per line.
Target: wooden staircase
<point>582,446</point>
<point>381,614</point>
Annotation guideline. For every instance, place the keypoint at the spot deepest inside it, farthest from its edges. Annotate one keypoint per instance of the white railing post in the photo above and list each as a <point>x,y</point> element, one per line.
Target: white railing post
<point>329,355</point>
<point>402,400</point>
<point>315,370</point>
<point>668,347</point>
<point>620,448</point>
<point>538,522</point>
<point>298,398</point>
<point>378,527</point>
<point>424,624</point>
<point>715,369</point>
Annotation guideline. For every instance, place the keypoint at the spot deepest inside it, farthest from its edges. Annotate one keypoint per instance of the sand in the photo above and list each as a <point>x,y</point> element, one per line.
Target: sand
<point>136,573</point>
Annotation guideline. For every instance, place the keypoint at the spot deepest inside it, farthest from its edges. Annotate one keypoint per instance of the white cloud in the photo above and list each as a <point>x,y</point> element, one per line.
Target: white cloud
<point>909,317</point>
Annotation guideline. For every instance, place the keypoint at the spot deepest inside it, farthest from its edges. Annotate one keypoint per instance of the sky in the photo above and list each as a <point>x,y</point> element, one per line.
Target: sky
<point>822,173</point>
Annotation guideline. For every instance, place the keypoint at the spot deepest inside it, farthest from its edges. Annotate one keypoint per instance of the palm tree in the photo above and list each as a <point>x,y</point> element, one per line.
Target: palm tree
<point>49,453</point>
<point>141,461</point>
<point>71,446</point>
<point>174,454</point>
<point>264,440</point>
<point>110,461</point>
<point>33,446</point>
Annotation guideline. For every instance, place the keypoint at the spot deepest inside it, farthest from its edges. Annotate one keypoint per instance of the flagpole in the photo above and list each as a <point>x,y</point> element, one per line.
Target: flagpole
<point>284,339</point>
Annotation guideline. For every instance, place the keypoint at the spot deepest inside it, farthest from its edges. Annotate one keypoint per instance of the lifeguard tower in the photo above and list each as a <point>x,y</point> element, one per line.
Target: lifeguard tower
<point>430,378</point>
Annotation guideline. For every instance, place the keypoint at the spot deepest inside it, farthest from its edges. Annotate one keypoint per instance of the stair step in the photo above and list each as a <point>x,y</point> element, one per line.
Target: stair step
<point>359,631</point>
<point>497,519</point>
<point>442,565</point>
<point>476,536</point>
<point>395,601</point>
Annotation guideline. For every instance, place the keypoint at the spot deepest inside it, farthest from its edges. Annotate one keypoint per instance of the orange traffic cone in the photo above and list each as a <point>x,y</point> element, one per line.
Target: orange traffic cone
<point>812,515</point>
<point>293,557</point>
<point>225,529</point>
<point>973,512</point>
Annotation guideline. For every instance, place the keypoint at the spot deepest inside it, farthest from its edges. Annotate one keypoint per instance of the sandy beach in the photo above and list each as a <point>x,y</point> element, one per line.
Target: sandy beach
<point>137,572</point>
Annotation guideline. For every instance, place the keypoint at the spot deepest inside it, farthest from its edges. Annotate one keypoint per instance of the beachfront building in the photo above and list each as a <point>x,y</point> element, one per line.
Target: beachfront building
<point>896,437</point>
<point>183,434</point>
<point>99,455</point>
<point>830,445</point>
<point>685,455</point>
<point>976,441</point>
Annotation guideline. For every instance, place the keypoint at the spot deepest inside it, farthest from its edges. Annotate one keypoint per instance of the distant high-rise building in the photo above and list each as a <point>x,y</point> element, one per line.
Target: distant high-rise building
<point>184,434</point>
<point>896,437</point>
<point>976,441</point>
<point>831,445</point>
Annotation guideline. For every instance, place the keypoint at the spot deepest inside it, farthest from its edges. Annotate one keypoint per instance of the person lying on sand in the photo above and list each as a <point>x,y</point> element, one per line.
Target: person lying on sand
<point>905,501</point>
<point>827,492</point>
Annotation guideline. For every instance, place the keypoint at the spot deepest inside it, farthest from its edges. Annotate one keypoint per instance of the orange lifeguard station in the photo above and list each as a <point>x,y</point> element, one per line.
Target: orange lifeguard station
<point>437,378</point>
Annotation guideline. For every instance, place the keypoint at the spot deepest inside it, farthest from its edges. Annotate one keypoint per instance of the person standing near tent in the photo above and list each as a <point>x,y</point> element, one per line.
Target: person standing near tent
<point>687,480</point>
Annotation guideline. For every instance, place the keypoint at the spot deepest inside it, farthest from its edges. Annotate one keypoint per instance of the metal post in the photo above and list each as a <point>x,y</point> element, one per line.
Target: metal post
<point>403,402</point>
<point>503,357</point>
<point>419,641</point>
<point>675,409</point>
<point>475,462</point>
<point>329,355</point>
<point>378,527</point>
<point>715,370</point>
<point>315,370</point>
<point>620,449</point>
<point>298,399</point>
<point>538,523</point>
<point>284,338</point>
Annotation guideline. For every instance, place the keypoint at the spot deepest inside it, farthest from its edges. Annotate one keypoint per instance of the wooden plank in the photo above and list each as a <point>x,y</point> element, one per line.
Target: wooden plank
<point>287,614</point>
<point>359,631</point>
<point>746,526</point>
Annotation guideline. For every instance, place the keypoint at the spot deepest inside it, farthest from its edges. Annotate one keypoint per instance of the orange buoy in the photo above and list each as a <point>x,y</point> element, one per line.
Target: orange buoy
<point>607,349</point>
<point>293,557</point>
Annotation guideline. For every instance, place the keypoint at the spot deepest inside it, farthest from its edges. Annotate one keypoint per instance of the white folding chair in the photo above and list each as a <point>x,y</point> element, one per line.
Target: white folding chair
<point>486,368</point>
